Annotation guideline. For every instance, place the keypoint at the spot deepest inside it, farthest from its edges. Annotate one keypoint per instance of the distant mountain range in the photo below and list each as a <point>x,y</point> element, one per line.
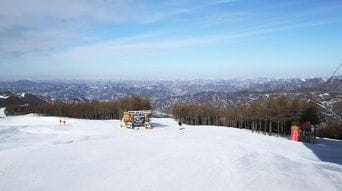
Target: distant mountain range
<point>165,94</point>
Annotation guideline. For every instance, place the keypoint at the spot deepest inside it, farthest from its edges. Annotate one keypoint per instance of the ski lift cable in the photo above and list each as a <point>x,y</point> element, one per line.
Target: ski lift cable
<point>337,69</point>
<point>332,75</point>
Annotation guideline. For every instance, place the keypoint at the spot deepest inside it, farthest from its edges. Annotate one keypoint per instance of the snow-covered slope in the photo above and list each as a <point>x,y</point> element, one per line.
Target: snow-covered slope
<point>37,153</point>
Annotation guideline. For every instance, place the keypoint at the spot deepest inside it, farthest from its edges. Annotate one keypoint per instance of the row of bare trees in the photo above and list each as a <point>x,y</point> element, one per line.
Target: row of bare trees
<point>270,116</point>
<point>197,114</point>
<point>93,110</point>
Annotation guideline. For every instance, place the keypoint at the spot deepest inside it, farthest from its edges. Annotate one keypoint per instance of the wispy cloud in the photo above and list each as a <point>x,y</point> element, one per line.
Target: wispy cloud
<point>156,42</point>
<point>63,37</point>
<point>41,26</point>
<point>223,1</point>
<point>45,27</point>
<point>131,46</point>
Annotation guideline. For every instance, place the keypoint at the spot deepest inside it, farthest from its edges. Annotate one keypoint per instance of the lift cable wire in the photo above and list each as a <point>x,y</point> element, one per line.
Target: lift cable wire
<point>332,75</point>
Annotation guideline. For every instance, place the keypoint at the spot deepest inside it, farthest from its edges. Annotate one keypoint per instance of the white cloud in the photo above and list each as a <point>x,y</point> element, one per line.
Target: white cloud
<point>42,27</point>
<point>38,26</point>
<point>19,11</point>
<point>130,46</point>
<point>224,1</point>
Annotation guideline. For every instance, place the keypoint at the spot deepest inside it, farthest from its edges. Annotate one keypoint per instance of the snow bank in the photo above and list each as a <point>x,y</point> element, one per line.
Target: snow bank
<point>37,153</point>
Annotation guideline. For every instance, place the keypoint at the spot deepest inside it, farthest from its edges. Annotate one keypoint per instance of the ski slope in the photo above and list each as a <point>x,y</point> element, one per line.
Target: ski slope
<point>37,153</point>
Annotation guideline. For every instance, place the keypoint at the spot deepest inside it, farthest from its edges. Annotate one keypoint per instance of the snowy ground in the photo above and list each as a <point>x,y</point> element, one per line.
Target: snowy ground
<point>36,153</point>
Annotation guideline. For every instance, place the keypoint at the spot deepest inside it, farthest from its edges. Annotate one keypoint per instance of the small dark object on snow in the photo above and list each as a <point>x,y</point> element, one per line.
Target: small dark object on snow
<point>180,125</point>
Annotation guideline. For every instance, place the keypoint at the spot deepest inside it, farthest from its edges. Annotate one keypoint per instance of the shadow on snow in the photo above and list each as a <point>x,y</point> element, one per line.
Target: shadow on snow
<point>158,125</point>
<point>327,150</point>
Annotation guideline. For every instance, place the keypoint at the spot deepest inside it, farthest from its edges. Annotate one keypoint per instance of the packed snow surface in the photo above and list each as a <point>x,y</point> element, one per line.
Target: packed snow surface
<point>38,153</point>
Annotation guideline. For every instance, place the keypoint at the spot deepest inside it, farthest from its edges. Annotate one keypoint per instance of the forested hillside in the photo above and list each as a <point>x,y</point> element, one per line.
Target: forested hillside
<point>92,110</point>
<point>270,116</point>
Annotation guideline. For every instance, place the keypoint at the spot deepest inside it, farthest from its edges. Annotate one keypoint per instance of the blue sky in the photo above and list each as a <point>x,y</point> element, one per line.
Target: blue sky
<point>184,39</point>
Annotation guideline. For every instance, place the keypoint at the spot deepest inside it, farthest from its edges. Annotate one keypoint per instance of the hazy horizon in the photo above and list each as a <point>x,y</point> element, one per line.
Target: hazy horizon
<point>161,78</point>
<point>171,80</point>
<point>162,40</point>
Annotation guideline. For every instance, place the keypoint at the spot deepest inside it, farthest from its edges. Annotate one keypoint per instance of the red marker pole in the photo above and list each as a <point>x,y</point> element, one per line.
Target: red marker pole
<point>294,133</point>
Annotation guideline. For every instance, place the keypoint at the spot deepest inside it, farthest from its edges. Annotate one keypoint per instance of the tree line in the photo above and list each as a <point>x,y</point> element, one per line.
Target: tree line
<point>92,110</point>
<point>333,130</point>
<point>270,116</point>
